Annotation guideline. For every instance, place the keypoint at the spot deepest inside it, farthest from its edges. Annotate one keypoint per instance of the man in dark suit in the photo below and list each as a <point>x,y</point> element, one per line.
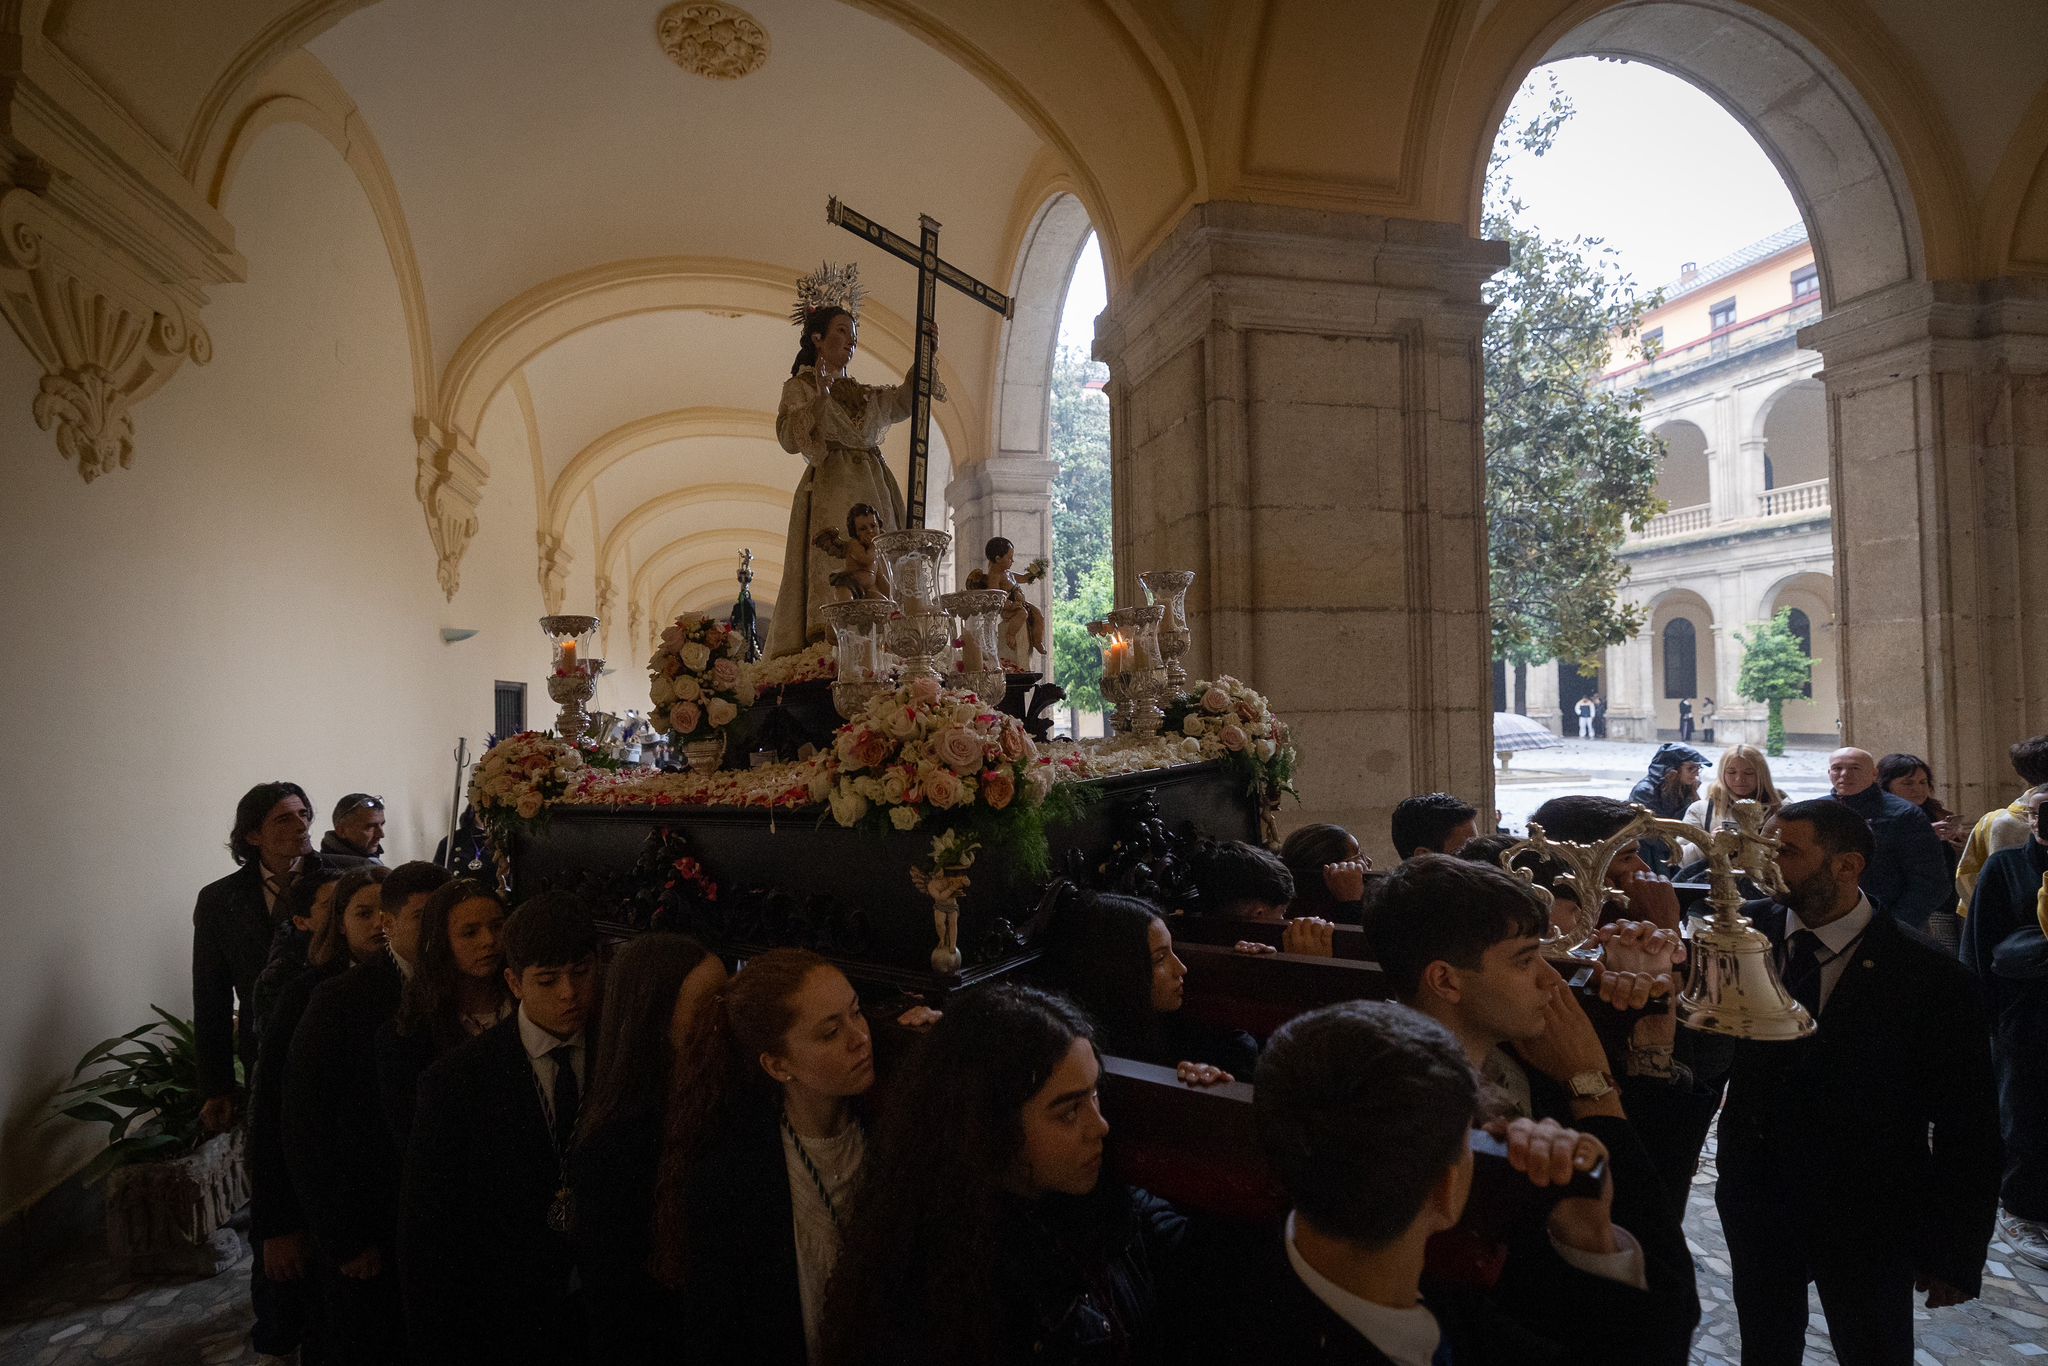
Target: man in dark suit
<point>484,1256</point>
<point>1864,1159</point>
<point>1907,874</point>
<point>1364,1113</point>
<point>344,1165</point>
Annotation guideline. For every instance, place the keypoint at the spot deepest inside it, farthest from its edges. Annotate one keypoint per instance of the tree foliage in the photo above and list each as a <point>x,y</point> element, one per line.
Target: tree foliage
<point>1775,669</point>
<point>1083,579</point>
<point>1569,468</point>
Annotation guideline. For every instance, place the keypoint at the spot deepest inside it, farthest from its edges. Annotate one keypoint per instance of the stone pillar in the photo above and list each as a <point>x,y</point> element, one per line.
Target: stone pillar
<point>1543,695</point>
<point>1938,446</point>
<point>1009,495</point>
<point>1749,483</point>
<point>1294,413</point>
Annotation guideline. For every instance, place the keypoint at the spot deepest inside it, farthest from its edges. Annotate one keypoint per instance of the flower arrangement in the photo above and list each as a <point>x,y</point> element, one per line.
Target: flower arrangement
<point>695,680</point>
<point>519,776</point>
<point>1228,720</point>
<point>927,752</point>
<point>814,663</point>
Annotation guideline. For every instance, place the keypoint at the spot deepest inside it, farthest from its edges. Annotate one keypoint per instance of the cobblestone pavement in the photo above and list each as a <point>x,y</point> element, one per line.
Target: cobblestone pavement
<point>83,1312</point>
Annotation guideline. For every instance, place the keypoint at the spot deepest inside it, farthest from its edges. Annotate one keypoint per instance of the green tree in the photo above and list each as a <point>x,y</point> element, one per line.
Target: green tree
<point>1775,669</point>
<point>1080,490</point>
<point>1076,655</point>
<point>1569,468</point>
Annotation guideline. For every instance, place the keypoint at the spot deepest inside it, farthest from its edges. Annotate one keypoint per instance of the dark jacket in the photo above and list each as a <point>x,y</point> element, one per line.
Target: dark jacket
<point>1830,1135</point>
<point>485,1279</point>
<point>231,932</point>
<point>1189,1039</point>
<point>1908,876</point>
<point>1079,1277</point>
<point>344,1164</point>
<point>613,1176</point>
<point>739,1300</point>
<point>274,1205</point>
<point>1649,792</point>
<point>400,1061</point>
<point>2003,942</point>
<point>281,967</point>
<point>332,843</point>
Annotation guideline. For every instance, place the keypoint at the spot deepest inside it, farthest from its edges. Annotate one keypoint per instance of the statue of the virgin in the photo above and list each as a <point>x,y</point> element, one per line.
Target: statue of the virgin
<point>836,424</point>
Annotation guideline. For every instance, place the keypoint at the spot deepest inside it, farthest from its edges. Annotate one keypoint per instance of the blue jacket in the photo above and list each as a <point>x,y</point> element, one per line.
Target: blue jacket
<point>2003,940</point>
<point>1909,875</point>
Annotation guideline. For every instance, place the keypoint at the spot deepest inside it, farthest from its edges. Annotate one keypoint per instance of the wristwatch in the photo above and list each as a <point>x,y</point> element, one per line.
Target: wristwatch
<point>1590,1085</point>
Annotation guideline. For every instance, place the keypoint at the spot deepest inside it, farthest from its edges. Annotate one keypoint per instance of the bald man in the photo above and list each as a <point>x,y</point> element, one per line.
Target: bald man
<point>1909,876</point>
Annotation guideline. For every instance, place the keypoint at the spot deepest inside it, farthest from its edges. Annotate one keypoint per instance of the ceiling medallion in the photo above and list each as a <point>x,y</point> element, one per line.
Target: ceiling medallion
<point>707,38</point>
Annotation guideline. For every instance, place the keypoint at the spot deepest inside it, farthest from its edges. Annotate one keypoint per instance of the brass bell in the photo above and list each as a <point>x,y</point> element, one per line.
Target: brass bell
<point>1735,989</point>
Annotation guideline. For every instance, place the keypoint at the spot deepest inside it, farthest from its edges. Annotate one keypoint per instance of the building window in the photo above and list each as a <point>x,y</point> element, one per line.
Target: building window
<point>1681,668</point>
<point>1802,631</point>
<point>1721,315</point>
<point>1805,284</point>
<point>508,709</point>
<point>1653,343</point>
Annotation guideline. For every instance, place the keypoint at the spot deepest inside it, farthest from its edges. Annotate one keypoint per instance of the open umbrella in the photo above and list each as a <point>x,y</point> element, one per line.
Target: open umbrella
<point>1512,732</point>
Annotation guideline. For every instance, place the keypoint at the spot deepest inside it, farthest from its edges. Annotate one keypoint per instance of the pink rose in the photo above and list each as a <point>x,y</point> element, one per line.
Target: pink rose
<point>672,636</point>
<point>1245,712</point>
<point>725,674</point>
<point>998,788</point>
<point>942,788</point>
<point>958,748</point>
<point>684,717</point>
<point>1012,738</point>
<point>1216,700</point>
<point>870,748</point>
<point>1232,737</point>
<point>924,688</point>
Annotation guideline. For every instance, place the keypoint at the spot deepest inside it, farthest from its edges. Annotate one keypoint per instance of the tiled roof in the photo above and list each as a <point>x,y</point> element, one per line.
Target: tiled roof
<point>1735,261</point>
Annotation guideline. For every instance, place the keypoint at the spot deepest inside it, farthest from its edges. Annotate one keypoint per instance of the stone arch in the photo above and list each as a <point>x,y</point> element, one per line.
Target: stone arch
<point>616,539</point>
<point>1682,478</point>
<point>1793,423</point>
<point>624,441</point>
<point>690,589</point>
<point>1680,605</point>
<point>1817,716</point>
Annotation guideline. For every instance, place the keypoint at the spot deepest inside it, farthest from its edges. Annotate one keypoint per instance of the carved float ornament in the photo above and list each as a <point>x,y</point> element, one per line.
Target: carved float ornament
<point>707,38</point>
<point>554,570</point>
<point>105,336</point>
<point>449,483</point>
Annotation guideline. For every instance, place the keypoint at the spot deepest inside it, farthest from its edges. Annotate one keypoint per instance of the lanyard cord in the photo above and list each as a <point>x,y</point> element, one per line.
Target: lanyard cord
<point>803,1155</point>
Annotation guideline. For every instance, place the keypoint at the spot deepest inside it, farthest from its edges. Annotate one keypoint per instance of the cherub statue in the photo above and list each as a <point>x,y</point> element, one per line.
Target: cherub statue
<point>1021,617</point>
<point>864,575</point>
<point>1752,852</point>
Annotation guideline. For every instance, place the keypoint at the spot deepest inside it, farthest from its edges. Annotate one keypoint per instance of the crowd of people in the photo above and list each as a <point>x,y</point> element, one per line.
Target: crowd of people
<point>477,1135</point>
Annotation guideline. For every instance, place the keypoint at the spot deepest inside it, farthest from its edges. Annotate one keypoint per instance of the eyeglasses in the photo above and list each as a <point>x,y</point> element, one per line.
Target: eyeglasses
<point>363,803</point>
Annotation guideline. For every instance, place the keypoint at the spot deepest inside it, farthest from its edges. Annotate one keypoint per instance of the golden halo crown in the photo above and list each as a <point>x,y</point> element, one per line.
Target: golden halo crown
<point>828,286</point>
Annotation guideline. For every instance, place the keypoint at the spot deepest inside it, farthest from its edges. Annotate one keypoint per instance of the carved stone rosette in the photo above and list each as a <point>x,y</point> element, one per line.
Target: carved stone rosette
<point>707,38</point>
<point>449,482</point>
<point>105,335</point>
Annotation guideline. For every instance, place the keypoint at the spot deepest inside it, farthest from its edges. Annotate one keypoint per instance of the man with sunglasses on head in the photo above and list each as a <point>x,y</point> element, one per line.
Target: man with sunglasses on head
<point>358,828</point>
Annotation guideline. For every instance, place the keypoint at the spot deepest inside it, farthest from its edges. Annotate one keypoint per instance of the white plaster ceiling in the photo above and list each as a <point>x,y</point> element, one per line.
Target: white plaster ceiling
<point>529,139</point>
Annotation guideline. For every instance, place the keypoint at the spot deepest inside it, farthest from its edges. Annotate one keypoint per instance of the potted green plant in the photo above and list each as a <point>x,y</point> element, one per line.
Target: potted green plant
<point>170,1188</point>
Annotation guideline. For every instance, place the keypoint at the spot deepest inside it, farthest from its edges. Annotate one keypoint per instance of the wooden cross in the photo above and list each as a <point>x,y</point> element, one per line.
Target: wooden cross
<point>924,254</point>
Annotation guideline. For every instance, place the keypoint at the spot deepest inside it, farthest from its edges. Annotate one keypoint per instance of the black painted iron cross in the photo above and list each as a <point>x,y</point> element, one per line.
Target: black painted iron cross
<point>924,254</point>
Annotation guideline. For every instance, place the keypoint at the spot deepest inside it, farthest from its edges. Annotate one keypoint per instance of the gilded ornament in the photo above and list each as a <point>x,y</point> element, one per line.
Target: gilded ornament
<point>707,38</point>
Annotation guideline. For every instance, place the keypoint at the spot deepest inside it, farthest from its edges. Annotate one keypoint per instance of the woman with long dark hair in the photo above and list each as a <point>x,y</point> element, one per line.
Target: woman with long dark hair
<point>985,1229</point>
<point>456,991</point>
<point>764,1142</point>
<point>655,988</point>
<point>1114,956</point>
<point>1908,776</point>
<point>1329,873</point>
<point>836,424</point>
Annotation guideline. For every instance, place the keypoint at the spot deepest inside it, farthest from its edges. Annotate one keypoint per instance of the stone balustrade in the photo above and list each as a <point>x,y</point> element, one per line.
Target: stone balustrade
<point>1677,522</point>
<point>1811,496</point>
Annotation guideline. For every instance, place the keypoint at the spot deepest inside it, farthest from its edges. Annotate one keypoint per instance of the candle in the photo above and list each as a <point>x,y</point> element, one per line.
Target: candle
<point>1117,659</point>
<point>568,656</point>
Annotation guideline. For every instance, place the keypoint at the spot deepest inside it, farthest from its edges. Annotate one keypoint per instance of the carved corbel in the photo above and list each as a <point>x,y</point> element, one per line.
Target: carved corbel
<point>105,336</point>
<point>607,594</point>
<point>633,615</point>
<point>554,571</point>
<point>449,484</point>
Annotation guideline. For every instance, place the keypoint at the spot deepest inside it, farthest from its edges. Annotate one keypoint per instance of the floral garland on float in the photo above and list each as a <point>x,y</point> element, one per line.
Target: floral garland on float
<point>695,683</point>
<point>1230,721</point>
<point>815,663</point>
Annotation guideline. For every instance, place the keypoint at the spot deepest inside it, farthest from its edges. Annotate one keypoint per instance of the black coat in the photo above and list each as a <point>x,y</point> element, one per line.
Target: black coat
<point>740,1300</point>
<point>1830,1135</point>
<point>613,1176</point>
<point>400,1061</point>
<point>231,933</point>
<point>1908,875</point>
<point>274,1206</point>
<point>485,1279</point>
<point>1079,1278</point>
<point>344,1165</point>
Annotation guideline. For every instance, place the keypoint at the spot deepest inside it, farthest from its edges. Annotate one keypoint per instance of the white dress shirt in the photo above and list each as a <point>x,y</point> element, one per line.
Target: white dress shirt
<point>540,1046</point>
<point>1410,1336</point>
<point>1837,938</point>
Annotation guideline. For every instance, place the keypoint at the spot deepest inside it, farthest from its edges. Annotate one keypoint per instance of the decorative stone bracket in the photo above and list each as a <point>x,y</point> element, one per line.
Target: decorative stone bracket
<point>554,570</point>
<point>607,595</point>
<point>105,335</point>
<point>450,483</point>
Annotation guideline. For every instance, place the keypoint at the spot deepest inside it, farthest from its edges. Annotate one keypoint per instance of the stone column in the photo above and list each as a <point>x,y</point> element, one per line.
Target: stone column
<point>1008,495</point>
<point>1938,446</point>
<point>1749,483</point>
<point>1294,410</point>
<point>1543,696</point>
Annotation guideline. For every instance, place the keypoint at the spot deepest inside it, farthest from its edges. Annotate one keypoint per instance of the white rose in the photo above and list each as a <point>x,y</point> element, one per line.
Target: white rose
<point>1266,749</point>
<point>696,655</point>
<point>661,691</point>
<point>529,805</point>
<point>894,789</point>
<point>1191,724</point>
<point>904,817</point>
<point>686,689</point>
<point>848,806</point>
<point>721,711</point>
